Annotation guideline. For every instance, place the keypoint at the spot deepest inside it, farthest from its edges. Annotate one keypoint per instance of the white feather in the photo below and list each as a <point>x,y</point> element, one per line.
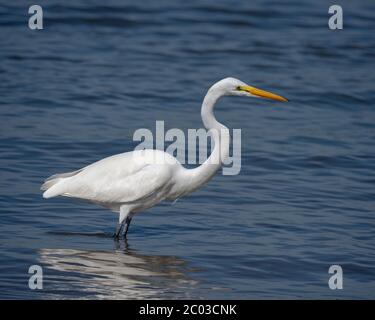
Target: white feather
<point>133,181</point>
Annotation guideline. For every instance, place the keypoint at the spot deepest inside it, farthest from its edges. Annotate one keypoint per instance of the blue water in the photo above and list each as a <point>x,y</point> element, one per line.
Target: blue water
<point>76,91</point>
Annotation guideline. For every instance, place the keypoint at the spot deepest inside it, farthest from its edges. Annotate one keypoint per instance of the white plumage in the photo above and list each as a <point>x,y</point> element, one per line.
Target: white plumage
<point>134,181</point>
<point>119,179</point>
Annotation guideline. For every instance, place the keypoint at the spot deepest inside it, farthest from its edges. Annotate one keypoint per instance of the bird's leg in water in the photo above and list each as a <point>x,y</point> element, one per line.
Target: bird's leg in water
<point>123,225</point>
<point>122,228</point>
<point>125,228</point>
<point>117,231</point>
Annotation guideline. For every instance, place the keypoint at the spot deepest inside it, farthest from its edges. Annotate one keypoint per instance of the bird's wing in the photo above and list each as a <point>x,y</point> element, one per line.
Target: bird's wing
<point>122,178</point>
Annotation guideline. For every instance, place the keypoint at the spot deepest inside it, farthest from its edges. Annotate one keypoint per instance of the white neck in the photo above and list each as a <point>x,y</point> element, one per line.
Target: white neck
<point>194,178</point>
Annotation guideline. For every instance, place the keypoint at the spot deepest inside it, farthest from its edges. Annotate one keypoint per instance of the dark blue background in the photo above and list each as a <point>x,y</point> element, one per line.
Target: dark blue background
<point>76,91</point>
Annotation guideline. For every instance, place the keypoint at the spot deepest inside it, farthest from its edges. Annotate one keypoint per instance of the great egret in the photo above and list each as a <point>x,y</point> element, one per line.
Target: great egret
<point>134,181</point>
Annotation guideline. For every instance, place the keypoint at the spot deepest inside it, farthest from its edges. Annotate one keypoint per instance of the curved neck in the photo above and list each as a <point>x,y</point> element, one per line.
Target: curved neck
<point>220,133</point>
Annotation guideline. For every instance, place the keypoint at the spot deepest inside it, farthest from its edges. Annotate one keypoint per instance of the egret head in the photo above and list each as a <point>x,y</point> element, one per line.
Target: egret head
<point>234,87</point>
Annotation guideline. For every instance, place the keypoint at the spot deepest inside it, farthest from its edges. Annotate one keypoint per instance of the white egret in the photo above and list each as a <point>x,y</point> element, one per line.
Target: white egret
<point>134,181</point>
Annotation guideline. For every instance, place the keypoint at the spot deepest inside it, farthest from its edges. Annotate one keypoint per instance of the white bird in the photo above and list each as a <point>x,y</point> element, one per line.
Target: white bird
<point>131,182</point>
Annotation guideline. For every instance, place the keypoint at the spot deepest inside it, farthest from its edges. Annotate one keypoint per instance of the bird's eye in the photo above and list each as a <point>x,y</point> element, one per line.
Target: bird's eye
<point>238,88</point>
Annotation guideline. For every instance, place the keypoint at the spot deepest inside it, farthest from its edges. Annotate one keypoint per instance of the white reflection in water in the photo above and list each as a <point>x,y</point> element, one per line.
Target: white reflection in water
<point>118,274</point>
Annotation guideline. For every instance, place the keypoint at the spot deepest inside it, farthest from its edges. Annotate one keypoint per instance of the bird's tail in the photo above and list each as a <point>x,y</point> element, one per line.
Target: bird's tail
<point>51,184</point>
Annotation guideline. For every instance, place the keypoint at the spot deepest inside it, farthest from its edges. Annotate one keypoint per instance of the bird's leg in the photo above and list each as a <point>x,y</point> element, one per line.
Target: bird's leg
<point>125,227</point>
<point>122,228</point>
<point>118,231</point>
<point>124,221</point>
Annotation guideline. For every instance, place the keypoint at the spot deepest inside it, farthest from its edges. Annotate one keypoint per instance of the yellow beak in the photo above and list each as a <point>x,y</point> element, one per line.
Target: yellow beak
<point>262,93</point>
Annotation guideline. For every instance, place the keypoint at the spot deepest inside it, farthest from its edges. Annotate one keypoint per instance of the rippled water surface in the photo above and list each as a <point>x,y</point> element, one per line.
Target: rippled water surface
<point>76,91</point>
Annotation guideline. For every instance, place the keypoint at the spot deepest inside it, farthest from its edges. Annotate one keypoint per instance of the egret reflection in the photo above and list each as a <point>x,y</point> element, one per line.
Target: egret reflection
<point>117,274</point>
